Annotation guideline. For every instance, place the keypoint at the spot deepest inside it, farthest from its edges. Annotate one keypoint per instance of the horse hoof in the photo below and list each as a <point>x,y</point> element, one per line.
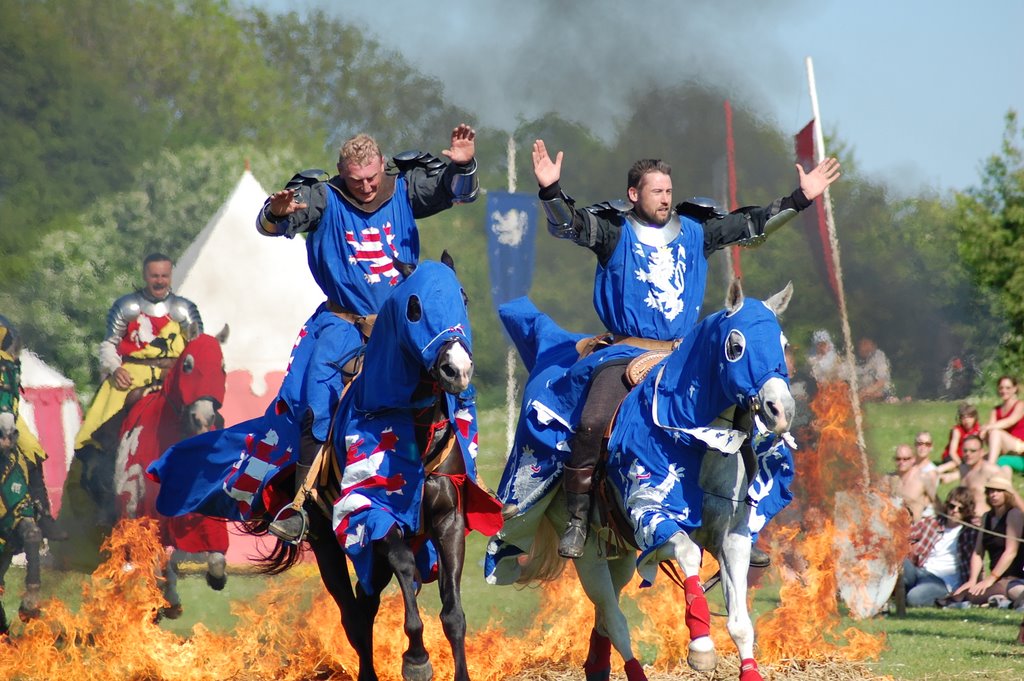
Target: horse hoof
<point>702,660</point>
<point>216,583</point>
<point>417,672</point>
<point>26,614</point>
<point>171,612</point>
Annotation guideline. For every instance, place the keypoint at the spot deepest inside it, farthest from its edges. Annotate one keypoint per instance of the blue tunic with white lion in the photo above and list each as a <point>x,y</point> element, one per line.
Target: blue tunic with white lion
<point>664,428</point>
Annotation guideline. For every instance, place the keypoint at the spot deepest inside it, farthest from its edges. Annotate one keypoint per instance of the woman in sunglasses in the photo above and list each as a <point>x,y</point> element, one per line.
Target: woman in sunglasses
<point>940,551</point>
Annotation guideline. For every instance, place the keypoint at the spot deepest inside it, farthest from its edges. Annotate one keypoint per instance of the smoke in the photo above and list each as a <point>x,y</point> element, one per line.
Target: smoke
<point>511,61</point>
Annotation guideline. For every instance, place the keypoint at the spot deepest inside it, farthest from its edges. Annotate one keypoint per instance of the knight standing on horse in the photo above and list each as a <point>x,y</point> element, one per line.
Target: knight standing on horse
<point>358,222</point>
<point>146,332</point>
<point>649,284</point>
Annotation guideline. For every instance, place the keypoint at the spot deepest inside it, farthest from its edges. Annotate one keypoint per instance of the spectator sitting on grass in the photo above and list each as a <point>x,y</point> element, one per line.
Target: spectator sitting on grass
<point>1002,529</point>
<point>966,424</point>
<point>940,551</point>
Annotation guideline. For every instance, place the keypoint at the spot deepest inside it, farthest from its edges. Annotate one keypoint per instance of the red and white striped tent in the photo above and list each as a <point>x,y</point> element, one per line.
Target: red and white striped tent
<point>262,288</point>
<point>51,410</point>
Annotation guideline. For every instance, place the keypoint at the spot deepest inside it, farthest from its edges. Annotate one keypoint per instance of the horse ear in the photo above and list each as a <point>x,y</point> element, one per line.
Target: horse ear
<point>780,301</point>
<point>734,296</point>
<point>404,268</point>
<point>447,259</point>
<point>222,335</point>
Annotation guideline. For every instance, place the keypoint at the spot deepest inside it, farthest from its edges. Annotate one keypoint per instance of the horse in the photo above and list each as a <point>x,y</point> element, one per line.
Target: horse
<point>185,403</point>
<point>695,445</point>
<point>396,488</point>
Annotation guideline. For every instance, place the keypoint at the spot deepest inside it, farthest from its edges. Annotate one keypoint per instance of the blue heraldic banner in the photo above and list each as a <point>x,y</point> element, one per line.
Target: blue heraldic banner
<point>511,226</point>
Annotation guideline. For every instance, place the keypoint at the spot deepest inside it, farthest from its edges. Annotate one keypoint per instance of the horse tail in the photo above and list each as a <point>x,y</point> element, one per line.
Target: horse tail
<point>283,556</point>
<point>543,563</point>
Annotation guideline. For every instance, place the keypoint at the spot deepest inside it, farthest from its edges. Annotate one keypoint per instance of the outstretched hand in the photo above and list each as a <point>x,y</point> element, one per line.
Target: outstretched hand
<point>283,203</point>
<point>546,171</point>
<point>463,147</point>
<point>817,181</point>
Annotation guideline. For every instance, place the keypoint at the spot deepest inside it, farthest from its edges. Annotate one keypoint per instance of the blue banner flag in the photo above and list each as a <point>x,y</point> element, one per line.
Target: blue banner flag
<point>511,226</point>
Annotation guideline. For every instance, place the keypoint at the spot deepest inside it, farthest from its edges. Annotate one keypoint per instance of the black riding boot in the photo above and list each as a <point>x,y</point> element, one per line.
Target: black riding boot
<point>290,529</point>
<point>576,482</point>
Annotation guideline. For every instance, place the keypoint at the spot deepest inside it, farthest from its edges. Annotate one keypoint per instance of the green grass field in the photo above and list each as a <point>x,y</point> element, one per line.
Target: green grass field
<point>926,644</point>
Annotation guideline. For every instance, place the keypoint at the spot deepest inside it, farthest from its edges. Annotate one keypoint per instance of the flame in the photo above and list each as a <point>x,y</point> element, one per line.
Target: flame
<point>114,634</point>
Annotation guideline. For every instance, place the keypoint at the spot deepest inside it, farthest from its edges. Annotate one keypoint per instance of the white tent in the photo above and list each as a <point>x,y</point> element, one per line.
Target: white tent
<point>260,286</point>
<point>51,410</point>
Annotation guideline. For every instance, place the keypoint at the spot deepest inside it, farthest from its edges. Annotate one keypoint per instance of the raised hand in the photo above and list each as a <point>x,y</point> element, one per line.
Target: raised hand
<point>546,171</point>
<point>463,147</point>
<point>815,182</point>
<point>283,203</point>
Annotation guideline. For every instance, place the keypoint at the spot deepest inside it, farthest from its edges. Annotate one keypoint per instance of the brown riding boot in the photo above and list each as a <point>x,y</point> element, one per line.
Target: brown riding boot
<point>292,529</point>
<point>577,482</point>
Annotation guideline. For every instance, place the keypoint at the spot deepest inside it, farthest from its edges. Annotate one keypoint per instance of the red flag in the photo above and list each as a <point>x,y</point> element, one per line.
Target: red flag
<point>815,227</point>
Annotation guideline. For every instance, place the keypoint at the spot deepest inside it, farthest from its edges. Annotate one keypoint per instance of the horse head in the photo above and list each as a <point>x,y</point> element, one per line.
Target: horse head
<point>422,328</point>
<point>196,384</point>
<point>752,356</point>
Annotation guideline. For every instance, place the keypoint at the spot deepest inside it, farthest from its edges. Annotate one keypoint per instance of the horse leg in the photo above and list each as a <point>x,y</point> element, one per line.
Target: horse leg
<point>31,538</point>
<point>357,614</point>
<point>6,556</point>
<point>701,655</point>
<point>173,609</point>
<point>448,524</point>
<point>610,626</point>
<point>415,661</point>
<point>216,570</point>
<point>735,561</point>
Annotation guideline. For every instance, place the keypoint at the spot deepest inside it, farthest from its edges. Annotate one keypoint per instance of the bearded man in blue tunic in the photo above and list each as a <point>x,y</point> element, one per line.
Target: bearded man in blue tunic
<point>358,223</point>
<point>648,289</point>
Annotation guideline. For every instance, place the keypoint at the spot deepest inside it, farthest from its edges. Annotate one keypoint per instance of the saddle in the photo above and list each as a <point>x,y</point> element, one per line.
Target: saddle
<point>588,346</point>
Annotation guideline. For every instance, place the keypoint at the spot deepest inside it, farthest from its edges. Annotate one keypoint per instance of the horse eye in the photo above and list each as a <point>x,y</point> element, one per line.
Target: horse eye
<point>465,298</point>
<point>735,345</point>
<point>413,309</point>
<point>189,364</point>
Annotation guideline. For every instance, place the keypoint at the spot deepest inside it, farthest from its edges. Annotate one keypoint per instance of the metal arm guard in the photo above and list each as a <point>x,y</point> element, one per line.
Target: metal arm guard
<point>407,160</point>
<point>700,208</point>
<point>463,183</point>
<point>560,214</point>
<point>778,216</point>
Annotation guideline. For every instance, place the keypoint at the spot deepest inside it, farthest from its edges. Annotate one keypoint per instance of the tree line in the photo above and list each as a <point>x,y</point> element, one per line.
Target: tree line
<point>131,120</point>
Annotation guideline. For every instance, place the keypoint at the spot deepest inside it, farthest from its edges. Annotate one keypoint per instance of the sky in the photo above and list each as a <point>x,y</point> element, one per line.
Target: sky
<point>918,89</point>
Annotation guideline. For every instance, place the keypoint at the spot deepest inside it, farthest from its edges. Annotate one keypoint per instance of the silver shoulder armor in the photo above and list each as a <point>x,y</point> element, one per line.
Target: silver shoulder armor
<point>183,311</point>
<point>560,214</point>
<point>464,185</point>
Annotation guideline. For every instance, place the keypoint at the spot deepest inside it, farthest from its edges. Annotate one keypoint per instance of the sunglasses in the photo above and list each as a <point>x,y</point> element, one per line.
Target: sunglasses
<point>921,443</point>
<point>903,458</point>
<point>971,451</point>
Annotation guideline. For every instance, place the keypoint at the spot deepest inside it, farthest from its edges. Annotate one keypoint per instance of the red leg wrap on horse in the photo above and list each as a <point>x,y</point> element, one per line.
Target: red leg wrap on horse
<point>600,656</point>
<point>698,615</point>
<point>635,671</point>
<point>749,671</point>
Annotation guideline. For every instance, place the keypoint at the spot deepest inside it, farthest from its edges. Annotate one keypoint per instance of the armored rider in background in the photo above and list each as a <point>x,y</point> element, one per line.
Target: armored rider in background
<point>358,223</point>
<point>649,284</point>
<point>147,330</point>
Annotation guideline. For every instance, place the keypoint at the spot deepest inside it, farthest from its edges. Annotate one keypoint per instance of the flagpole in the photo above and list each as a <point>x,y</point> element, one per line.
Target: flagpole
<point>510,353</point>
<point>830,223</point>
<point>736,271</point>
